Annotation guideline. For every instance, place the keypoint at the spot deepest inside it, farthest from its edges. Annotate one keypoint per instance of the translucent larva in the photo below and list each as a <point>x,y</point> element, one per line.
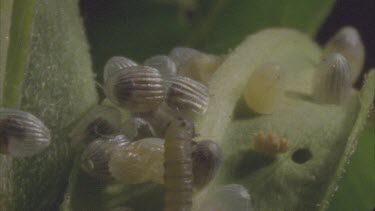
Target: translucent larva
<point>137,88</point>
<point>185,94</point>
<point>136,128</point>
<point>22,134</point>
<point>95,157</point>
<point>265,88</point>
<point>348,43</point>
<point>138,162</point>
<point>195,64</point>
<point>231,197</point>
<point>100,121</point>
<point>178,176</point>
<point>159,119</point>
<point>207,157</point>
<point>115,64</point>
<point>270,144</point>
<point>164,64</point>
<point>332,80</point>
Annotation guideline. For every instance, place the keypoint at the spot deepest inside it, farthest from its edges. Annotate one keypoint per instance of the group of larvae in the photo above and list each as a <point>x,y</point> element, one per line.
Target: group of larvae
<point>163,96</point>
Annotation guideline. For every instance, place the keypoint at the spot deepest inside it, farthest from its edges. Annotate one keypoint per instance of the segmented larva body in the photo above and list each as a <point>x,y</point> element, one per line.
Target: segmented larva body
<point>100,121</point>
<point>185,94</point>
<point>115,64</point>
<point>178,176</point>
<point>207,157</point>
<point>195,64</point>
<point>22,134</point>
<point>137,88</point>
<point>231,197</point>
<point>136,128</point>
<point>348,43</point>
<point>332,80</point>
<point>270,144</point>
<point>95,157</point>
<point>138,162</point>
<point>164,64</point>
<point>265,88</point>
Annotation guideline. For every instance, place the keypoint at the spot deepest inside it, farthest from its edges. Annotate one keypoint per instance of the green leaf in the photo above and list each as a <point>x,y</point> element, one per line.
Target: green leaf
<point>57,86</point>
<point>323,130</point>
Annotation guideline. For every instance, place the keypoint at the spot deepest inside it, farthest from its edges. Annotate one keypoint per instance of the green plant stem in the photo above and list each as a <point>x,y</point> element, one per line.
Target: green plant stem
<point>19,43</point>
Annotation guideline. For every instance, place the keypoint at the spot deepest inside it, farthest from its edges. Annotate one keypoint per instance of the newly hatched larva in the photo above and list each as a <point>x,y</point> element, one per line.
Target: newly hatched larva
<point>136,128</point>
<point>137,88</point>
<point>22,134</point>
<point>115,64</point>
<point>347,41</point>
<point>265,88</point>
<point>95,157</point>
<point>138,162</point>
<point>185,95</point>
<point>178,176</point>
<point>195,64</point>
<point>269,144</point>
<point>231,197</point>
<point>332,80</point>
<point>164,64</point>
<point>100,121</point>
<point>207,157</point>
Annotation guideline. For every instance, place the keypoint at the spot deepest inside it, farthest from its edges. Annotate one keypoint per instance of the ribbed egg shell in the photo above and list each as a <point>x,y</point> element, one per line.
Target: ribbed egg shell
<point>22,134</point>
<point>139,162</point>
<point>137,88</point>
<point>185,94</point>
<point>164,64</point>
<point>115,64</point>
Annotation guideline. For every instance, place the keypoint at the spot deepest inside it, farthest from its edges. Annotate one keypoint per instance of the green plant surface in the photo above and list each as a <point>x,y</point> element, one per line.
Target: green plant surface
<point>329,132</point>
<point>57,86</point>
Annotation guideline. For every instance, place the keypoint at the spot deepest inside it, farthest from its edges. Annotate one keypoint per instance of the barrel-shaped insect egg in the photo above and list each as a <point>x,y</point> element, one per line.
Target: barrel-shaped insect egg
<point>115,64</point>
<point>332,80</point>
<point>164,64</point>
<point>138,162</point>
<point>207,157</point>
<point>181,55</point>
<point>100,121</point>
<point>185,95</point>
<point>347,41</point>
<point>265,88</point>
<point>136,128</point>
<point>95,157</point>
<point>137,88</point>
<point>178,176</point>
<point>233,197</point>
<point>22,134</point>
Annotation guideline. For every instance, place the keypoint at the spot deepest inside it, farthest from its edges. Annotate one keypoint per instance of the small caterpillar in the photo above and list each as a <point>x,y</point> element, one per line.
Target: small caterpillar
<point>178,176</point>
<point>22,134</point>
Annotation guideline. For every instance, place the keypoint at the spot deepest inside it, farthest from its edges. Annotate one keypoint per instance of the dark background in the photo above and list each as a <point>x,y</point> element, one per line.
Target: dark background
<point>358,13</point>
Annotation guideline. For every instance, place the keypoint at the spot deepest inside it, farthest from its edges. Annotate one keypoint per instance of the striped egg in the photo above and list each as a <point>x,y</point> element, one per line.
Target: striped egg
<point>22,134</point>
<point>332,80</point>
<point>138,162</point>
<point>164,64</point>
<point>181,55</point>
<point>102,120</point>
<point>207,157</point>
<point>185,95</point>
<point>95,157</point>
<point>232,197</point>
<point>265,88</point>
<point>347,42</point>
<point>115,64</point>
<point>137,88</point>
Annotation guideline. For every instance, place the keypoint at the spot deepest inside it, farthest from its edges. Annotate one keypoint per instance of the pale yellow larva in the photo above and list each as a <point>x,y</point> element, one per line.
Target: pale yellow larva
<point>138,162</point>
<point>332,80</point>
<point>265,88</point>
<point>22,134</point>
<point>347,41</point>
